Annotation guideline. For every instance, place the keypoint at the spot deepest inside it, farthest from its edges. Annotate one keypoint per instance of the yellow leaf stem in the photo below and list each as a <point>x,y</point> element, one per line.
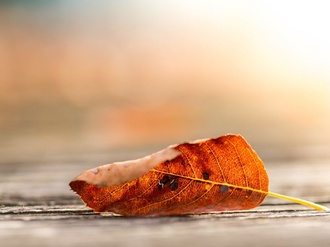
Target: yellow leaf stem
<point>299,201</point>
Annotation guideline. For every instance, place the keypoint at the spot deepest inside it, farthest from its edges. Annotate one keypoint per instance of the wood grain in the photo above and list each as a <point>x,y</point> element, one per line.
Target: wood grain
<point>38,209</point>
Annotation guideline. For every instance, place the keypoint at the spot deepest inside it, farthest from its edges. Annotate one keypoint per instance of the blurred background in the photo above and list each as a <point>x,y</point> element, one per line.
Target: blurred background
<point>106,76</point>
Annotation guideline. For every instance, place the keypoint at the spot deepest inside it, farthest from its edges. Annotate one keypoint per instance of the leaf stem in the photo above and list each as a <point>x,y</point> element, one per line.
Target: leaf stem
<point>300,201</point>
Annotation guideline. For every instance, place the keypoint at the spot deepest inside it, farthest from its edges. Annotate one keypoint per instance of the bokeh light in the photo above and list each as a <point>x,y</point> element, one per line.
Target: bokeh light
<point>102,75</point>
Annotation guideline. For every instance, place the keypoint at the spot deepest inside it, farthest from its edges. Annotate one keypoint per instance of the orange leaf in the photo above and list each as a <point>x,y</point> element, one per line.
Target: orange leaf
<point>218,174</point>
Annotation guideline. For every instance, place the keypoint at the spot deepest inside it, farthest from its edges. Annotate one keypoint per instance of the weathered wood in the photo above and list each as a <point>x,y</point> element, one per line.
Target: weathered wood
<point>76,225</point>
<point>38,209</point>
<point>83,212</point>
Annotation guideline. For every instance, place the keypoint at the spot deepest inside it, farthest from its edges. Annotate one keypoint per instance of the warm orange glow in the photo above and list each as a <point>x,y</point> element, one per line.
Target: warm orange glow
<point>223,66</point>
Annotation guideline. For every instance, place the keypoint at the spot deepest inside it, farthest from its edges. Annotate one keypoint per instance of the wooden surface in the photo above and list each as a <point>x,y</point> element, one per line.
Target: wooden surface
<point>38,209</point>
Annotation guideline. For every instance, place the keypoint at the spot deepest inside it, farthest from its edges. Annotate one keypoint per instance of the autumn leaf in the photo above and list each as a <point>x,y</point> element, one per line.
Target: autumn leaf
<point>208,175</point>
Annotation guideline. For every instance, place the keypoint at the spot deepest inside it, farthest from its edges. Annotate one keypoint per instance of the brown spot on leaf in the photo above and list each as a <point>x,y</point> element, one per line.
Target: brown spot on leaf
<point>174,183</point>
<point>248,193</point>
<point>224,189</point>
<point>161,183</point>
<point>206,176</point>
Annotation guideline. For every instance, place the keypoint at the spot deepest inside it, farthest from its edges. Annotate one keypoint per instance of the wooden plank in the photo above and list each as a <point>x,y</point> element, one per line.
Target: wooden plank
<point>276,225</point>
<point>38,209</point>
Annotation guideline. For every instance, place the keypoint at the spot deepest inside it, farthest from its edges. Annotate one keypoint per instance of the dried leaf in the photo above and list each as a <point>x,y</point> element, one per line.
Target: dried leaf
<point>218,174</point>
